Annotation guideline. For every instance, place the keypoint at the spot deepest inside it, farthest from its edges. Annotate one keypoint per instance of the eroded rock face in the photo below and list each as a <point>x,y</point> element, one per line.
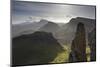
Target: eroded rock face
<point>92,44</point>
<point>78,53</point>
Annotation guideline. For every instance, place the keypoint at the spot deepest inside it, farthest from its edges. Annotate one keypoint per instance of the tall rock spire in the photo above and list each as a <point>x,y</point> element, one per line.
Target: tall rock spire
<point>78,53</point>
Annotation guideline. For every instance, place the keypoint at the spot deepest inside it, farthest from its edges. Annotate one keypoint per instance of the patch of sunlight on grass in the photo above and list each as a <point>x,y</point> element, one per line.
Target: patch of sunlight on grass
<point>63,56</point>
<point>88,57</point>
<point>88,53</point>
<point>88,50</point>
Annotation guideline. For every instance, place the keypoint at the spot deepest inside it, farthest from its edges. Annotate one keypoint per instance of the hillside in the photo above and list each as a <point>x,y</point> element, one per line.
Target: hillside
<point>36,48</point>
<point>50,27</point>
<point>27,27</point>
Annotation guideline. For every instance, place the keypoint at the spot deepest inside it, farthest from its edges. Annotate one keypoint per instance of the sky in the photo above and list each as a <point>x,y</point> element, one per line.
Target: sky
<point>60,13</point>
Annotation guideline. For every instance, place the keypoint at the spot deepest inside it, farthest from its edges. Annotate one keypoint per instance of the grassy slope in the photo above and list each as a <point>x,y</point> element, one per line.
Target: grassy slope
<point>64,56</point>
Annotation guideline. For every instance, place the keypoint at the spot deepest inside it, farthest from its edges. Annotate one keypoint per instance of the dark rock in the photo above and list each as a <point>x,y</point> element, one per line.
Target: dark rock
<point>92,44</point>
<point>78,47</point>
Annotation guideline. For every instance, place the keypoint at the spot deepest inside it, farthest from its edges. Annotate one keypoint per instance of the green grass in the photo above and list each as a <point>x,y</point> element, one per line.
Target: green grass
<point>61,57</point>
<point>64,56</point>
<point>88,53</point>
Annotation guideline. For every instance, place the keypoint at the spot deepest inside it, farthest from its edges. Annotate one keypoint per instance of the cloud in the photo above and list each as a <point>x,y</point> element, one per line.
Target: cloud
<point>47,10</point>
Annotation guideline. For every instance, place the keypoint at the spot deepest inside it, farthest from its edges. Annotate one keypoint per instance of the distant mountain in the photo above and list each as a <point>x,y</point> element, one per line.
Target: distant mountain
<point>27,27</point>
<point>35,48</point>
<point>49,27</point>
<point>64,33</point>
<point>61,24</point>
<point>18,29</point>
<point>41,23</point>
<point>67,32</point>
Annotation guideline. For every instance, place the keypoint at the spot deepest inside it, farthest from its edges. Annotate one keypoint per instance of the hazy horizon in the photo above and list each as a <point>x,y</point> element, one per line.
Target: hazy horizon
<point>58,13</point>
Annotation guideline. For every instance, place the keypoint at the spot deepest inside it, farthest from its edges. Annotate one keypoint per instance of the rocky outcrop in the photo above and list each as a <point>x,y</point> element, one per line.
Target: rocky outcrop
<point>78,53</point>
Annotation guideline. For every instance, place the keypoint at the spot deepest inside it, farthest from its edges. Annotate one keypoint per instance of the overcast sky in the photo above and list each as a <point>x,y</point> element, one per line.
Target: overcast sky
<point>60,13</point>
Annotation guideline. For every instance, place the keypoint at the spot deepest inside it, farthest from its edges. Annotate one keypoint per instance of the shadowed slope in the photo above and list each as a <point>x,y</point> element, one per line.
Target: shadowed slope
<point>36,48</point>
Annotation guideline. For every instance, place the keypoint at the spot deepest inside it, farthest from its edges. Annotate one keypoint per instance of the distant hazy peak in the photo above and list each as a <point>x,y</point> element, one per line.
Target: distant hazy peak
<point>82,18</point>
<point>43,20</point>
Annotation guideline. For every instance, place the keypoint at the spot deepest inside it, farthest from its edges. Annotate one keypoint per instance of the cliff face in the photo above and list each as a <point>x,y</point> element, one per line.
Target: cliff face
<point>79,45</point>
<point>68,30</point>
<point>36,48</point>
<point>92,44</point>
